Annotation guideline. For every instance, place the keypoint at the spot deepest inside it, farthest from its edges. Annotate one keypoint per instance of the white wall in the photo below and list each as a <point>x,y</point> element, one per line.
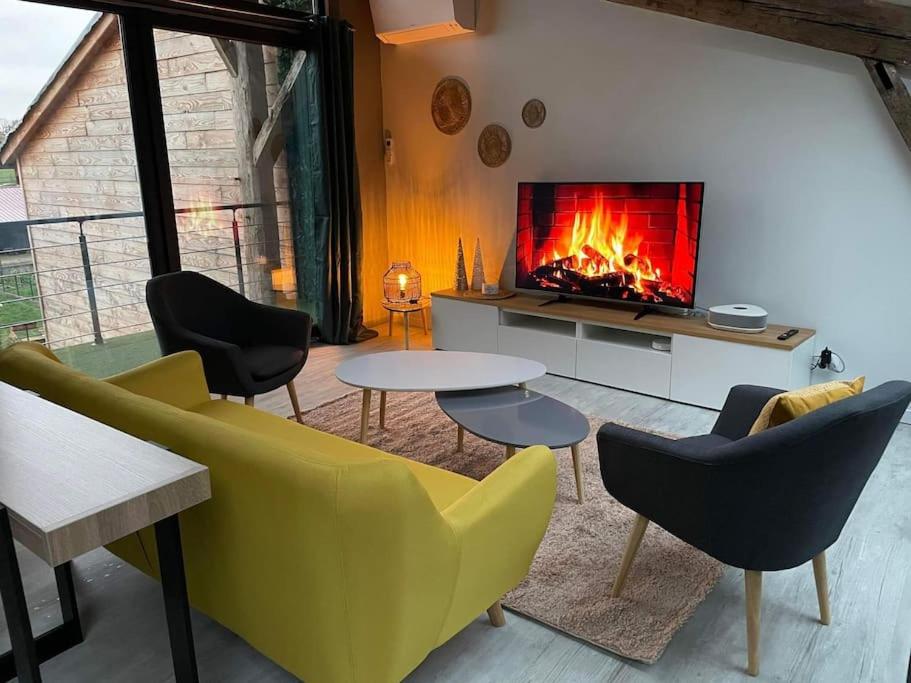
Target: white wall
<point>808,196</point>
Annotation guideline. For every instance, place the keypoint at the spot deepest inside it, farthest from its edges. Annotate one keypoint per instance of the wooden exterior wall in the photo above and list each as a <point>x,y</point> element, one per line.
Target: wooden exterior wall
<point>82,162</point>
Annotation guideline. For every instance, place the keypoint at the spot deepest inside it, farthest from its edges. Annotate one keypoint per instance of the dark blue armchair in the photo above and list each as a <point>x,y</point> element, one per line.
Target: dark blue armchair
<point>767,502</point>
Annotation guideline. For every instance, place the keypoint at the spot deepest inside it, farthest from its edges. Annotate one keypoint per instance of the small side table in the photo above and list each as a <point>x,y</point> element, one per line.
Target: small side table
<point>68,485</point>
<point>405,309</point>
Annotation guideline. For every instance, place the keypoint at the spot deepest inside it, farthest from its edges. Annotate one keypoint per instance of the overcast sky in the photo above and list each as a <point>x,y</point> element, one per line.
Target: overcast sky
<point>34,39</point>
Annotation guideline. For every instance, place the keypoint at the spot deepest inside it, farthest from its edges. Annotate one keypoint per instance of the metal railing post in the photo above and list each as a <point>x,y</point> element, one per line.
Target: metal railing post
<point>90,286</point>
<point>235,230</point>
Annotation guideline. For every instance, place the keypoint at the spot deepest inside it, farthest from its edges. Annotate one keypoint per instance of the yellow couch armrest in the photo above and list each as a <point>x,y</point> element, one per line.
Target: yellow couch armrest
<point>500,524</point>
<point>178,380</point>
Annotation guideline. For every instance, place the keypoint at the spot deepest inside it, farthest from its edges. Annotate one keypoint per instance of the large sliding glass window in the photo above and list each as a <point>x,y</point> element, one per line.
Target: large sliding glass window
<point>73,249</point>
<point>88,212</point>
<point>224,107</point>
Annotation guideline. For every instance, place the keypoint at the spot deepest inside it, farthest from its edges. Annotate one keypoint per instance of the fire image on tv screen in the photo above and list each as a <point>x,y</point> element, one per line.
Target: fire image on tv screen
<point>633,242</point>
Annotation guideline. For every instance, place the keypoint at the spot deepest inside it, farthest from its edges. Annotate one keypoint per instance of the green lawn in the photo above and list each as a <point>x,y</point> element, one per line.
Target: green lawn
<point>8,176</point>
<point>99,360</point>
<point>13,311</point>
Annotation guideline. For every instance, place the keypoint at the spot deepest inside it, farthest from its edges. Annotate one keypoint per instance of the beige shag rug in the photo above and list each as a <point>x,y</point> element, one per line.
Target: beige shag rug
<point>568,587</point>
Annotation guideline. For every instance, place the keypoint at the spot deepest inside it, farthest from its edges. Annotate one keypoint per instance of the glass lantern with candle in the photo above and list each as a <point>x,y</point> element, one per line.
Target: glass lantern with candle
<point>402,283</point>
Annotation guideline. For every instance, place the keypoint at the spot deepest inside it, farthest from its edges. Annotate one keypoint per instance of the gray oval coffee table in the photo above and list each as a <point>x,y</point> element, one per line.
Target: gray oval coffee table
<point>518,417</point>
<point>431,371</point>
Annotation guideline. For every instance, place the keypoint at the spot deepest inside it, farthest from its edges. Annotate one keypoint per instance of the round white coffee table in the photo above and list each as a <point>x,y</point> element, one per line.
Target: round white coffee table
<point>431,371</point>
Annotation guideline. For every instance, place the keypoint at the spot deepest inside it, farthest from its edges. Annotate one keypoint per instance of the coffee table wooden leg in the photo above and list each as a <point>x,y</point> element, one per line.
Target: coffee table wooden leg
<point>382,410</point>
<point>460,440</point>
<point>577,466</point>
<point>510,451</point>
<point>405,316</point>
<point>365,415</point>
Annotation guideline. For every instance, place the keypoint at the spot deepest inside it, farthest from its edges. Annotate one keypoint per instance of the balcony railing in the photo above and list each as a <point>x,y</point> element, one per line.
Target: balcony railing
<point>82,278</point>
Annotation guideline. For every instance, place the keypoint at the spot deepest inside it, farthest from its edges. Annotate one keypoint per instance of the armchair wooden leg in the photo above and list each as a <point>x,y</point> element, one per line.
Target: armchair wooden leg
<point>224,397</point>
<point>753,581</point>
<point>495,612</point>
<point>292,393</point>
<point>248,400</point>
<point>632,547</point>
<point>822,588</point>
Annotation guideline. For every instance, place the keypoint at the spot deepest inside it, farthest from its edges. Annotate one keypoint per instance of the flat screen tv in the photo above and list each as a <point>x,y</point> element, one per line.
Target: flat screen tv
<point>631,242</point>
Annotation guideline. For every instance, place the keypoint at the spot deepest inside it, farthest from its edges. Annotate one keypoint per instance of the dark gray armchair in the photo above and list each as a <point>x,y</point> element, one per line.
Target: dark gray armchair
<point>767,502</point>
<point>247,348</point>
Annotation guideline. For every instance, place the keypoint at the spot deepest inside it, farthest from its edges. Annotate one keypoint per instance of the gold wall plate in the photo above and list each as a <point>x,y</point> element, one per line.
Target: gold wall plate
<point>533,113</point>
<point>450,106</point>
<point>494,145</point>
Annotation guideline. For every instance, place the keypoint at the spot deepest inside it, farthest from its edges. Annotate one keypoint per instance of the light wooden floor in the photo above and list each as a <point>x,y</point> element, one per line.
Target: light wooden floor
<point>869,577</point>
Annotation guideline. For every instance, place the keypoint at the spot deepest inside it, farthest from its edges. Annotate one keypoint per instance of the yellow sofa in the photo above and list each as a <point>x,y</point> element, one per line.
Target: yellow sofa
<point>335,560</point>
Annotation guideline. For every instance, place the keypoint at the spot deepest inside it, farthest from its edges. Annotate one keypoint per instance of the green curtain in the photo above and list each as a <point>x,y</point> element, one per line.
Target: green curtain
<point>326,220</point>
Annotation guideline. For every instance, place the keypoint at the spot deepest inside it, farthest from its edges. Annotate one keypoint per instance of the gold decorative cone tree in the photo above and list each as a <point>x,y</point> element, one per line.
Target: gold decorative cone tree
<point>461,276</point>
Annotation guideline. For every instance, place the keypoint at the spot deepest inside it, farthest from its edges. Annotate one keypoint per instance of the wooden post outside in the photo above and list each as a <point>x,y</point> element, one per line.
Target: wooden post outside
<point>257,181</point>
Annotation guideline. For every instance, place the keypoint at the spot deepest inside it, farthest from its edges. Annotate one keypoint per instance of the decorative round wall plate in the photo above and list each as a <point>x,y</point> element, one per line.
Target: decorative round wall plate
<point>494,145</point>
<point>533,113</point>
<point>451,105</point>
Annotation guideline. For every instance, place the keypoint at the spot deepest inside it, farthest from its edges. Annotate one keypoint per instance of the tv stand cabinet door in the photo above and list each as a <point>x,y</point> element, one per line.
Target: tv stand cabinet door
<point>704,370</point>
<point>464,326</point>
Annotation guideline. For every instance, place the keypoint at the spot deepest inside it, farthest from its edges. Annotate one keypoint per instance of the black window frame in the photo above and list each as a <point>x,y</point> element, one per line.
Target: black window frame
<point>243,20</point>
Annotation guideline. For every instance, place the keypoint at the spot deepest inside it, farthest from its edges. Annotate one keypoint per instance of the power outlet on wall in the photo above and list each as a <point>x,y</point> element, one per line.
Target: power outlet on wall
<point>829,361</point>
<point>389,145</point>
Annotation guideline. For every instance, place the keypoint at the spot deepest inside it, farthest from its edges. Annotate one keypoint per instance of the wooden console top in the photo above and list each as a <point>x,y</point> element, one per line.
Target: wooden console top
<point>623,317</point>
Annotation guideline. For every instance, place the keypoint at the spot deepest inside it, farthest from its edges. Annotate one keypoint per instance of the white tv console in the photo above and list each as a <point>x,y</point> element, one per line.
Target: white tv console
<point>603,345</point>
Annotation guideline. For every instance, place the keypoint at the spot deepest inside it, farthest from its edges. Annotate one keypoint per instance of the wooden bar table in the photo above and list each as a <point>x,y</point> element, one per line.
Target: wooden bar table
<point>69,485</point>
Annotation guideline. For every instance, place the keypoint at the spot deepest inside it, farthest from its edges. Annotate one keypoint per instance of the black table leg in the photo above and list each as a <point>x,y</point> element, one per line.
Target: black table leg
<point>58,639</point>
<point>20,628</point>
<point>177,606</point>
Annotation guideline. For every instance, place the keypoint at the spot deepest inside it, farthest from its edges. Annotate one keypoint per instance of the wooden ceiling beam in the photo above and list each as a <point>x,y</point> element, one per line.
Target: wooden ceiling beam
<point>894,93</point>
<point>873,29</point>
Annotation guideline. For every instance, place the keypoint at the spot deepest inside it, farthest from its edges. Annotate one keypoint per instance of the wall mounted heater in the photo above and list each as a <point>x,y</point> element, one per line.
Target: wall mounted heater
<point>398,22</point>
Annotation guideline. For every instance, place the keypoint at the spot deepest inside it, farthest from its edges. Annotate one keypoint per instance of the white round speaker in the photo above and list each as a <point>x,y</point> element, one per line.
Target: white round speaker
<point>746,318</point>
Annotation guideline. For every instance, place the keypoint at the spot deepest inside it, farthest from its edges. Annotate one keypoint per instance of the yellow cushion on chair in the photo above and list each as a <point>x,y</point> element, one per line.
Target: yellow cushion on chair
<point>792,404</point>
